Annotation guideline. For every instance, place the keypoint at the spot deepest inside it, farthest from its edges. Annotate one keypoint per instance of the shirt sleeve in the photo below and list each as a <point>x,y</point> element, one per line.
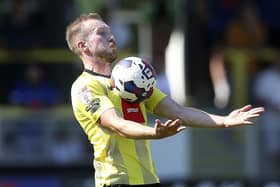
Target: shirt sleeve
<point>154,99</point>
<point>93,100</point>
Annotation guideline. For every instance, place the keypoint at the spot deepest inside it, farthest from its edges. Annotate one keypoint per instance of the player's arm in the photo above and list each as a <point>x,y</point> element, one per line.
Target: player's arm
<point>129,129</point>
<point>193,117</point>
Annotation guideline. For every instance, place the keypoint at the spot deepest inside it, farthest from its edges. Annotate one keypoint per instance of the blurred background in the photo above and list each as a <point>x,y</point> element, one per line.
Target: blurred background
<point>212,54</point>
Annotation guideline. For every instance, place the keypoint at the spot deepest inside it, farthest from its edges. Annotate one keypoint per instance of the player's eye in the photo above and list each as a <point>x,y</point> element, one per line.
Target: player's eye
<point>102,32</point>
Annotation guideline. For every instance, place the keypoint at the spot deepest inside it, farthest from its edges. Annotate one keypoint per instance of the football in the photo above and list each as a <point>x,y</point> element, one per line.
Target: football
<point>134,79</point>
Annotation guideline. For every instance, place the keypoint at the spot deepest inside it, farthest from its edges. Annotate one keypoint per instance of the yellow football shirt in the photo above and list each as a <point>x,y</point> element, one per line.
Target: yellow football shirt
<point>117,160</point>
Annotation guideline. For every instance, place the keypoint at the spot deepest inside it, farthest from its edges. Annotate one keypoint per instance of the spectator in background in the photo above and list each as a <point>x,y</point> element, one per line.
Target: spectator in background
<point>33,91</point>
<point>267,89</point>
<point>219,78</point>
<point>21,26</point>
<point>219,14</point>
<point>246,29</point>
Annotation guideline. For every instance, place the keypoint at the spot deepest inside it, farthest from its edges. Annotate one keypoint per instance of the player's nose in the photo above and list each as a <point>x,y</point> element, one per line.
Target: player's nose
<point>112,40</point>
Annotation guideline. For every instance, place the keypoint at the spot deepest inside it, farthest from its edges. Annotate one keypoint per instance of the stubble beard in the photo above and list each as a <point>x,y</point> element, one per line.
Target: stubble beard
<point>107,56</point>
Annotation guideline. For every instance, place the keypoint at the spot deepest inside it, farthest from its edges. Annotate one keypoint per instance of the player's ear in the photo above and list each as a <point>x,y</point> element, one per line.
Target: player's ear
<point>82,46</point>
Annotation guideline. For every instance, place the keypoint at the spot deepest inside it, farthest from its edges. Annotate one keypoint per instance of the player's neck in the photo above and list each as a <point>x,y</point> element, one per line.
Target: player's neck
<point>99,67</point>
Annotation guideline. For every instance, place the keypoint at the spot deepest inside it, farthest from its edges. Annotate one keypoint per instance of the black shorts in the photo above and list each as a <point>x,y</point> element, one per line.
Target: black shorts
<point>127,185</point>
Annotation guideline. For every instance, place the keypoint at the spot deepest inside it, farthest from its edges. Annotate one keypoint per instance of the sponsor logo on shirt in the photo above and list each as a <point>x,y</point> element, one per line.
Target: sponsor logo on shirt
<point>132,111</point>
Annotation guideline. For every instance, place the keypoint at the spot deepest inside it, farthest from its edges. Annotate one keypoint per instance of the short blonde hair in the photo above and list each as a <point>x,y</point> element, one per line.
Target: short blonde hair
<point>74,30</point>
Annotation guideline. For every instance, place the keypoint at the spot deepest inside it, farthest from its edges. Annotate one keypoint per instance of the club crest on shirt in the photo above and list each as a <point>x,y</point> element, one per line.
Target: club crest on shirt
<point>85,96</point>
<point>92,104</point>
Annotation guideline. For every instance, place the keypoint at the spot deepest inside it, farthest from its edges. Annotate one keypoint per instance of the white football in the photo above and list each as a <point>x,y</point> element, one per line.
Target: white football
<point>134,79</point>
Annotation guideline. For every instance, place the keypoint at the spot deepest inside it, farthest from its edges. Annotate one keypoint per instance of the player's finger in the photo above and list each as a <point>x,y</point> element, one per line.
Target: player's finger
<point>248,123</point>
<point>168,123</point>
<point>245,108</point>
<point>158,124</point>
<point>174,123</point>
<point>157,121</point>
<point>257,110</point>
<point>181,128</point>
<point>253,116</point>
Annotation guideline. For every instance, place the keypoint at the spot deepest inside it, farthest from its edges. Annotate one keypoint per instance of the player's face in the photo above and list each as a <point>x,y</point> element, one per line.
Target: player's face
<point>100,40</point>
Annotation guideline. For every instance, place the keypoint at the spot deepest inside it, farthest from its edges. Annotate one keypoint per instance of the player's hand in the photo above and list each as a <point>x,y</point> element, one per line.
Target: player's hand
<point>243,116</point>
<point>169,128</point>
